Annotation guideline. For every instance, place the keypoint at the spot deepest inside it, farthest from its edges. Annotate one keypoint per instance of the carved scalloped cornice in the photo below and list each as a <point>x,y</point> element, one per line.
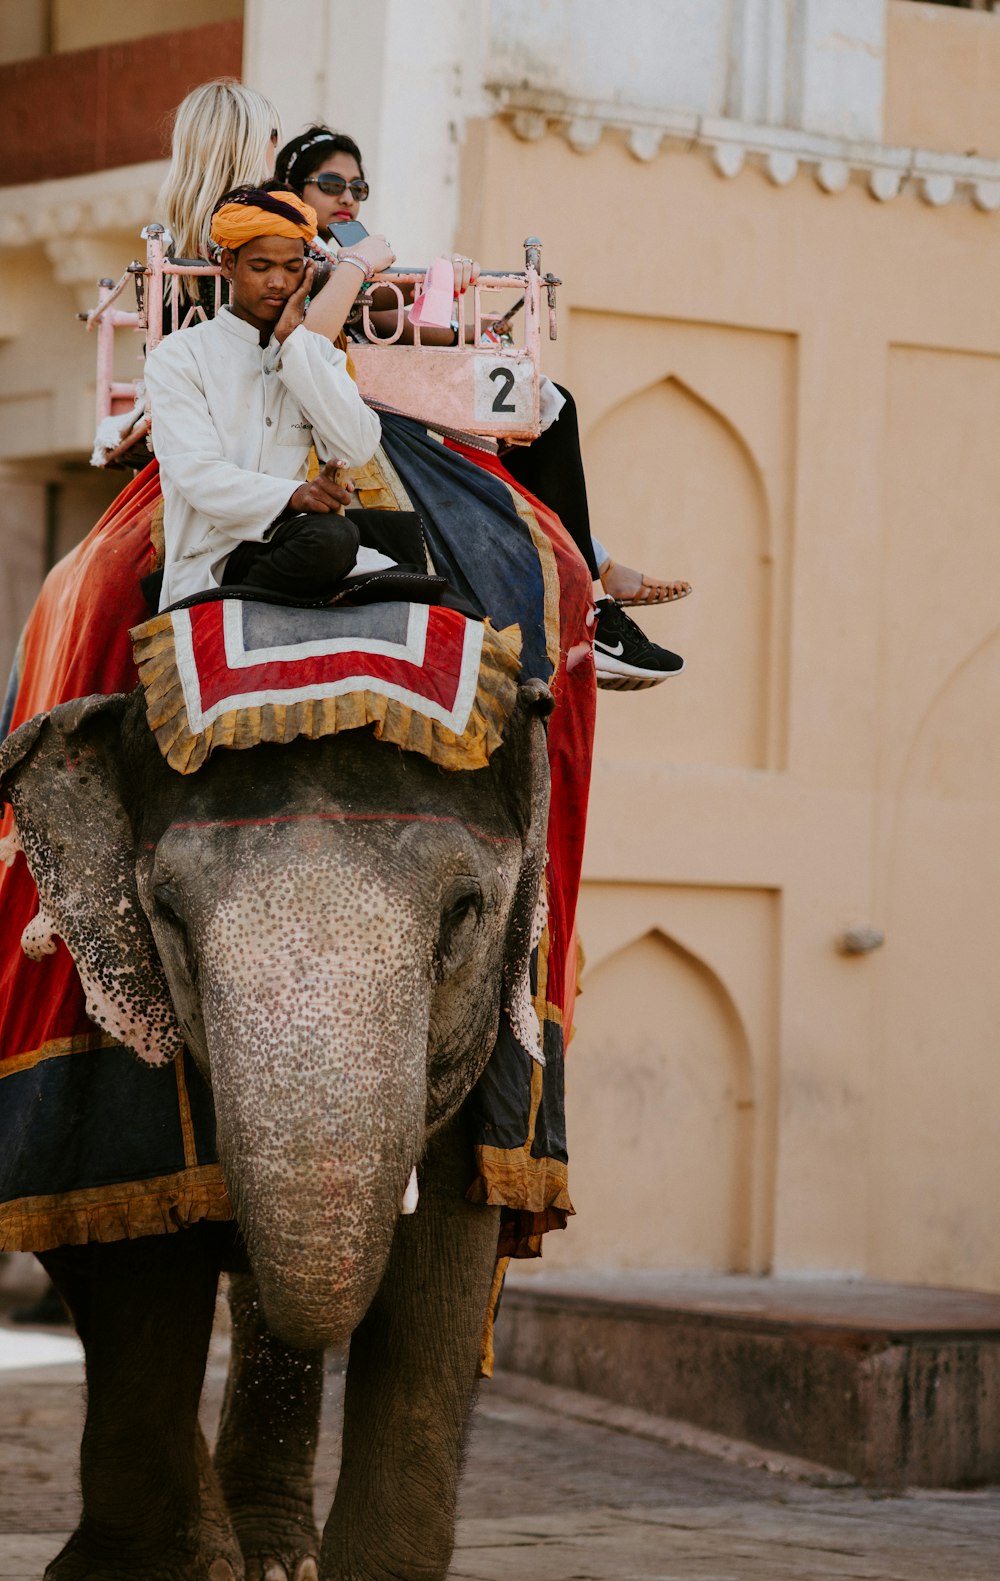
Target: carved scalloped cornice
<point>780,151</point>
<point>108,200</point>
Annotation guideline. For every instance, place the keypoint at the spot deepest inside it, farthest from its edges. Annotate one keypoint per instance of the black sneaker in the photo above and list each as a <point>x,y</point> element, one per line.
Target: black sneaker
<point>625,659</point>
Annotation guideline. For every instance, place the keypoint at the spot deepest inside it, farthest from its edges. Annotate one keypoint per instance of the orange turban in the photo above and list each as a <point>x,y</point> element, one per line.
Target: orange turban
<point>244,215</point>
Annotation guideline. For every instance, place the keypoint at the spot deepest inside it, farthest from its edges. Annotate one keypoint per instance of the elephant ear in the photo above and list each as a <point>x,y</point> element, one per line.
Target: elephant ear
<point>526,770</point>
<point>62,773</point>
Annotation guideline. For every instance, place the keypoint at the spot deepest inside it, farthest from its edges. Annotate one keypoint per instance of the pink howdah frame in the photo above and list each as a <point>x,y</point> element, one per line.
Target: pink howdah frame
<point>475,387</point>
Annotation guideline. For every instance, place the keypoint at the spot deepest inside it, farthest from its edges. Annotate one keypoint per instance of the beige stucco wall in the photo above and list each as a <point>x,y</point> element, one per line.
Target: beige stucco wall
<point>942,72</point>
<point>51,496</point>
<point>791,399</point>
<point>76,26</point>
<point>40,27</point>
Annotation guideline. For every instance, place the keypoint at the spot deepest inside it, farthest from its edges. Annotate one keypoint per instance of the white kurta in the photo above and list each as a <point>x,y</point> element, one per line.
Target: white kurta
<point>233,423</point>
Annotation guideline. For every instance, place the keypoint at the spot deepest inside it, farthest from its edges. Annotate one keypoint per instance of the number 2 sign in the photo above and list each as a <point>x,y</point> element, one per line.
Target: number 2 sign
<point>504,389</point>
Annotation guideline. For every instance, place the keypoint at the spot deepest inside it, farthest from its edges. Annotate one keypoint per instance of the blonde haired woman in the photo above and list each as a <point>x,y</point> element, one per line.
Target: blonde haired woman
<point>224,136</point>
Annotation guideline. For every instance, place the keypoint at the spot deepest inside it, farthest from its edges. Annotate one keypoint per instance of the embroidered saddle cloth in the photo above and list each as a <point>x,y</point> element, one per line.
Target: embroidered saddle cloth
<point>235,673</point>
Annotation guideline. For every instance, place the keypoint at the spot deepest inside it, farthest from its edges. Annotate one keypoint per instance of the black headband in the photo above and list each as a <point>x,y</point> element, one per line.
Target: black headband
<point>254,197</point>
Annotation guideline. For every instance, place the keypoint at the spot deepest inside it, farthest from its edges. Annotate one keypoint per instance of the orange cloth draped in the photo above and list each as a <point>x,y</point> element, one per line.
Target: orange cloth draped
<point>76,642</point>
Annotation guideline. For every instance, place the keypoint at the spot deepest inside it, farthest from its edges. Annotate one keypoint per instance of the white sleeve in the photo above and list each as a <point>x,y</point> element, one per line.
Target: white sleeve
<point>189,451</point>
<point>315,372</point>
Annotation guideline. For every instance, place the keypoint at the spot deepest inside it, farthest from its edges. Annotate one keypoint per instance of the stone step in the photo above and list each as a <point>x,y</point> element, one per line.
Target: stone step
<point>896,1385</point>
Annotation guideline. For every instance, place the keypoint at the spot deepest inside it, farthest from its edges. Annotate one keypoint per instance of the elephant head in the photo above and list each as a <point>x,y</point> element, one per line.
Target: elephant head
<point>333,928</point>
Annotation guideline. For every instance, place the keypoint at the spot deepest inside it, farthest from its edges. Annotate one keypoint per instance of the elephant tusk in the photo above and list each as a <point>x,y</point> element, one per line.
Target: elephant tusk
<point>411,1195</point>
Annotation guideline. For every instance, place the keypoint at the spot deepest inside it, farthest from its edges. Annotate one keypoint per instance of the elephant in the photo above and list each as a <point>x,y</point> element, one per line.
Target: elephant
<point>333,928</point>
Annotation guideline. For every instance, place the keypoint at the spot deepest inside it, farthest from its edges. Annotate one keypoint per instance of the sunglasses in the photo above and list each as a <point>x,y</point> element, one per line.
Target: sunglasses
<point>335,186</point>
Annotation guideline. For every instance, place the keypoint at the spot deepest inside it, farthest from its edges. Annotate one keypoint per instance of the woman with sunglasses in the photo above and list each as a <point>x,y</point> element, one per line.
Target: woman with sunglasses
<point>328,164</point>
<point>325,167</point>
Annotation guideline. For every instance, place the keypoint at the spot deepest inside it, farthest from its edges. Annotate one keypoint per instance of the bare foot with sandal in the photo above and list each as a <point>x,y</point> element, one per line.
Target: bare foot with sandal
<point>628,586</point>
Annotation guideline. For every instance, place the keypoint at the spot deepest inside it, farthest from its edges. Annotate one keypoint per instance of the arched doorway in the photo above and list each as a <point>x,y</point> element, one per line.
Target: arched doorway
<point>660,1117</point>
<point>676,490</point>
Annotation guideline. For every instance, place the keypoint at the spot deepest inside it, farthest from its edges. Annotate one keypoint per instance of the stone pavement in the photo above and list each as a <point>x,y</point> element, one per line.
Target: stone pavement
<point>559,1488</point>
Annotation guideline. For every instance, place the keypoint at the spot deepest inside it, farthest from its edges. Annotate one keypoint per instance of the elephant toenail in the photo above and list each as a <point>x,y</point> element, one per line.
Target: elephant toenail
<point>307,1571</point>
<point>275,1572</point>
<point>221,1570</point>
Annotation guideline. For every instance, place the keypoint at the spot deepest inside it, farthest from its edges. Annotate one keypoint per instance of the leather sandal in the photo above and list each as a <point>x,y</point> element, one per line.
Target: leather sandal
<point>659,592</point>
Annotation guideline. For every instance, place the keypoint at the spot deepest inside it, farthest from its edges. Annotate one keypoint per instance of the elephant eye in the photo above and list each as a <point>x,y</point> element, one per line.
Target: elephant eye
<point>168,910</point>
<point>464,899</point>
<point>166,904</point>
<point>460,914</point>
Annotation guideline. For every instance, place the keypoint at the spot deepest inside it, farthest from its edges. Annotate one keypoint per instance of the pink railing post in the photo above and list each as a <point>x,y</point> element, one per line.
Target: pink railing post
<point>551,282</point>
<point>155,258</point>
<point>532,328</point>
<point>105,353</point>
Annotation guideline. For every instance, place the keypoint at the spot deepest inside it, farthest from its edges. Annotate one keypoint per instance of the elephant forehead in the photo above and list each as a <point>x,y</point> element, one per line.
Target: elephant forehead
<point>421,850</point>
<point>280,819</point>
<point>319,878</point>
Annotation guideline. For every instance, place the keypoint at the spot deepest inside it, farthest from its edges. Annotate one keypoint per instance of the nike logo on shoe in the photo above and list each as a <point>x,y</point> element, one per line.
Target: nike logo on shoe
<point>615,652</point>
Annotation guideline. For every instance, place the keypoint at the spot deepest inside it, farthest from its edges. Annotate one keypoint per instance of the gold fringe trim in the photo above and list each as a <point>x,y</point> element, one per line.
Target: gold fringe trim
<point>166,711</point>
<point>550,578</point>
<point>487,1355</point>
<point>512,1178</point>
<point>114,1213</point>
<point>57,1048</point>
<point>379,486</point>
<point>184,1112</point>
<point>156,535</point>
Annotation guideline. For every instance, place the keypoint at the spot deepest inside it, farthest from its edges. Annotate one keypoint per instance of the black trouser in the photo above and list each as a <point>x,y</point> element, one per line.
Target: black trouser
<point>306,557</point>
<point>309,556</point>
<point>551,468</point>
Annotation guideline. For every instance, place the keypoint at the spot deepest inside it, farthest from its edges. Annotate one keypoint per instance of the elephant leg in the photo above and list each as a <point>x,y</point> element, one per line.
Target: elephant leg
<point>411,1380</point>
<point>266,1448</point>
<point>144,1312</point>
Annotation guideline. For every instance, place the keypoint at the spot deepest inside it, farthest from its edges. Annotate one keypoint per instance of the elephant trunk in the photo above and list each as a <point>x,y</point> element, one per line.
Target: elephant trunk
<point>318,1064</point>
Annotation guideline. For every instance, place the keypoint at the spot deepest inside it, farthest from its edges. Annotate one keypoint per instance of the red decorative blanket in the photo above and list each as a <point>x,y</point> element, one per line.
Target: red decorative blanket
<point>233,673</point>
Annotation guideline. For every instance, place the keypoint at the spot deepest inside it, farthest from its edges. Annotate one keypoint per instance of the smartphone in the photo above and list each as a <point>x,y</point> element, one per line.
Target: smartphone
<point>348,232</point>
<point>322,271</point>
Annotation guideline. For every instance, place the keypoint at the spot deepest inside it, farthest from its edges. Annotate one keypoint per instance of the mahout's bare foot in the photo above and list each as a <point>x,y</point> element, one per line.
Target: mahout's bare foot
<point>628,586</point>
